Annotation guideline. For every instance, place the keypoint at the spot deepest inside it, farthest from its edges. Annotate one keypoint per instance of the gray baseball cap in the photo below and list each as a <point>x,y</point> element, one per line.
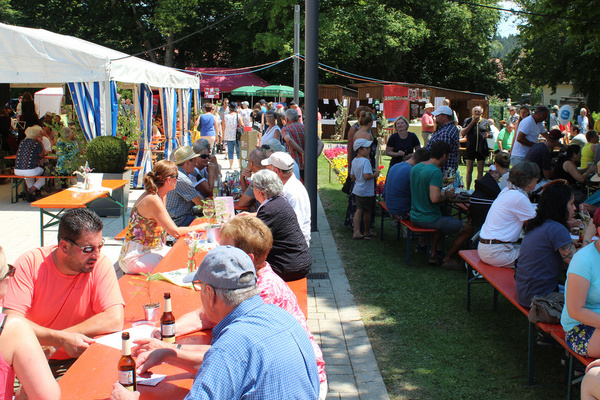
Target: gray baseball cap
<point>225,267</point>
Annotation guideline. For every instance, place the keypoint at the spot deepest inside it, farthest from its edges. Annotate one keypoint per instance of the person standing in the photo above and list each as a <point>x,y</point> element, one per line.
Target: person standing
<point>293,135</point>
<point>583,121</point>
<point>231,121</point>
<point>446,132</point>
<point>207,125</point>
<point>402,143</point>
<point>427,123</point>
<point>476,129</point>
<point>528,133</point>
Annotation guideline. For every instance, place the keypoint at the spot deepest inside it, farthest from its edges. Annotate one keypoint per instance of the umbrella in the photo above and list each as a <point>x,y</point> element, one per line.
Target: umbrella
<point>246,91</point>
<point>278,91</point>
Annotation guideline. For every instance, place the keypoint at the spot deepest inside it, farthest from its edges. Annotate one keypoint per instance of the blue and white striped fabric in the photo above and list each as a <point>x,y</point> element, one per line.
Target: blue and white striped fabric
<point>169,114</point>
<point>87,102</point>
<point>91,108</point>
<point>186,107</point>
<point>144,155</point>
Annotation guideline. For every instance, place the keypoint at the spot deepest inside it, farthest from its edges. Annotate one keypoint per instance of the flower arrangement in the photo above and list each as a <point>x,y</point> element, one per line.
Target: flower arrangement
<point>83,172</point>
<point>194,247</point>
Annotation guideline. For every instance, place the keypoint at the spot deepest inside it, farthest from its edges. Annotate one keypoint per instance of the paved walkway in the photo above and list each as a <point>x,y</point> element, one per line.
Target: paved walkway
<point>333,316</point>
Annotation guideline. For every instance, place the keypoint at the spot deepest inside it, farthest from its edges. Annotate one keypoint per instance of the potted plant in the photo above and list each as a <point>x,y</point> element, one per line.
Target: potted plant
<point>108,155</point>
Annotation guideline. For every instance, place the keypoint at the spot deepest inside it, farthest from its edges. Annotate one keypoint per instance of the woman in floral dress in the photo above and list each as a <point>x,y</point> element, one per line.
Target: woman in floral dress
<point>150,222</point>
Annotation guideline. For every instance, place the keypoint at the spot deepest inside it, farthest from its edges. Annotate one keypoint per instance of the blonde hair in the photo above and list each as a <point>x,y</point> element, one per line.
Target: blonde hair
<point>156,178</point>
<point>403,118</point>
<point>33,131</point>
<point>249,234</point>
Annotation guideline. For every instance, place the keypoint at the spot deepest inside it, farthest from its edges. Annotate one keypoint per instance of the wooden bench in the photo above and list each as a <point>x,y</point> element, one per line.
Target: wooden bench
<point>503,281</point>
<point>17,180</point>
<point>384,213</point>
<point>121,235</point>
<point>413,231</point>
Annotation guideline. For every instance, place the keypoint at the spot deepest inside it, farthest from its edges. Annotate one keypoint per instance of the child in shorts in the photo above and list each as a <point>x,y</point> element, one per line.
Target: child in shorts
<point>364,188</point>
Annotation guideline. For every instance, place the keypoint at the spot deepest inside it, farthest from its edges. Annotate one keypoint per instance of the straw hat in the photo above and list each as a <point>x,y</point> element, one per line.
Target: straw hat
<point>183,154</point>
<point>428,105</point>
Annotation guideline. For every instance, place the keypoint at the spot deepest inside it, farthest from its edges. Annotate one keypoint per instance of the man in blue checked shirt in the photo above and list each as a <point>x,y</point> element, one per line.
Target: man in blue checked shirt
<point>258,350</point>
<point>446,132</point>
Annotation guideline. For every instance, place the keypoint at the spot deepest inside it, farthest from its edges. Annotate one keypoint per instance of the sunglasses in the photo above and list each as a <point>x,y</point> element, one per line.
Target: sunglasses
<point>86,249</point>
<point>204,156</point>
<point>266,147</point>
<point>11,272</point>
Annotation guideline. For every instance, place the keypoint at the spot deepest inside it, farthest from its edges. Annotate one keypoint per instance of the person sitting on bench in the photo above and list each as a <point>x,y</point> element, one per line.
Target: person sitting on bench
<point>547,247</point>
<point>426,197</point>
<point>29,155</point>
<point>498,237</point>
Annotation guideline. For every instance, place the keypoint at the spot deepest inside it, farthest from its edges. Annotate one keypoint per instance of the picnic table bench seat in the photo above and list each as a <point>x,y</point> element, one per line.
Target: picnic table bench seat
<point>411,231</point>
<point>503,281</point>
<point>17,180</point>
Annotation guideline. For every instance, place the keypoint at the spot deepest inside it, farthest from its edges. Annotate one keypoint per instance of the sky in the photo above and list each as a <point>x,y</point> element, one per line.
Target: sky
<point>508,22</point>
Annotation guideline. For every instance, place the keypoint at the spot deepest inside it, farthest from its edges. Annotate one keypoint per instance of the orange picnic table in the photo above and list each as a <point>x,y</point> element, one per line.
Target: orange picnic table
<point>67,199</point>
<point>93,374</point>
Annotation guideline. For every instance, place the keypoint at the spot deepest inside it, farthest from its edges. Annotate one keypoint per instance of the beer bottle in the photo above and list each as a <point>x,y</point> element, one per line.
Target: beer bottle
<point>167,321</point>
<point>127,365</point>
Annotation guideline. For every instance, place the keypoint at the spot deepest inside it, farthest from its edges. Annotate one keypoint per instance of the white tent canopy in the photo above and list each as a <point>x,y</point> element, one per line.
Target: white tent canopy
<point>49,100</point>
<point>30,56</point>
<point>36,56</point>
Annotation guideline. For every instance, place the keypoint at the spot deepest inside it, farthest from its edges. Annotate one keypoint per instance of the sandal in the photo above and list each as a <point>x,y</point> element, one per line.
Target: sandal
<point>434,260</point>
<point>358,237</point>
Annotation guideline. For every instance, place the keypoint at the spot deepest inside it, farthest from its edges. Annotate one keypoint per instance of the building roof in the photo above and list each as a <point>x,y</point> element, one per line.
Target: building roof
<point>227,79</point>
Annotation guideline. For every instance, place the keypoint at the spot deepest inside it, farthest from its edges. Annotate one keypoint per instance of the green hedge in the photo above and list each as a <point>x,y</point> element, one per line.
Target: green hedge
<point>107,154</point>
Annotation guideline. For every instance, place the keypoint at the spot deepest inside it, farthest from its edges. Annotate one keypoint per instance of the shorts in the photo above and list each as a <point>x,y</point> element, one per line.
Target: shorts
<point>474,155</point>
<point>365,203</point>
<point>446,225</point>
<point>578,338</point>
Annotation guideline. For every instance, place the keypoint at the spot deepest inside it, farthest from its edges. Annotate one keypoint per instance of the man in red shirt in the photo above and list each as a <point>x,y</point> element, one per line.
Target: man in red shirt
<point>427,123</point>
<point>293,135</point>
<point>68,292</point>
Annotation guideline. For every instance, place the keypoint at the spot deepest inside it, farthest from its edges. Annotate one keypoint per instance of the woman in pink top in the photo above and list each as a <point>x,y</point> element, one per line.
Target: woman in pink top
<point>254,237</point>
<point>20,352</point>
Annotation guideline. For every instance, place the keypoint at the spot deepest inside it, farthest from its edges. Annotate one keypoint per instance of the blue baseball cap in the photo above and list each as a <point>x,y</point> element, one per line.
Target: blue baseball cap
<point>225,267</point>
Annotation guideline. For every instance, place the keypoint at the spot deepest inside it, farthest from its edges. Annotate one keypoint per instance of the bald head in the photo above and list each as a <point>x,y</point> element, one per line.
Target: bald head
<point>255,157</point>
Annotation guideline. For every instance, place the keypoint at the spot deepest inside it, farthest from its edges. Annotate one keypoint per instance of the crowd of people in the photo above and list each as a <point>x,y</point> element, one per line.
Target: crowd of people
<point>524,208</point>
<point>65,294</point>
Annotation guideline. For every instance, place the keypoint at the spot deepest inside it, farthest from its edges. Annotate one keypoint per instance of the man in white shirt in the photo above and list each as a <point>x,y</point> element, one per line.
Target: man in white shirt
<point>293,190</point>
<point>529,132</point>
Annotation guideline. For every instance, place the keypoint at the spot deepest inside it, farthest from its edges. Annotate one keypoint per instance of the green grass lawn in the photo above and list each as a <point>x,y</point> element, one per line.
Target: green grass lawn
<point>426,343</point>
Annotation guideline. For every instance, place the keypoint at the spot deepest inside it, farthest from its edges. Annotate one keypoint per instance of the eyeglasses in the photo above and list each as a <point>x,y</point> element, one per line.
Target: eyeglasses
<point>266,147</point>
<point>204,156</point>
<point>86,249</point>
<point>11,272</point>
<point>197,286</point>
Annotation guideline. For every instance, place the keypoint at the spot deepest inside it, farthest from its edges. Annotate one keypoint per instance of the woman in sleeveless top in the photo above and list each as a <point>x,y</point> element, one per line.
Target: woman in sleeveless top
<point>207,124</point>
<point>566,168</point>
<point>150,222</point>
<point>20,352</point>
<point>273,131</point>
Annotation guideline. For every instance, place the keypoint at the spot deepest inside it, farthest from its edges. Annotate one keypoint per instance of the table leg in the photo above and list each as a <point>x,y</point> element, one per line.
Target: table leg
<point>42,226</point>
<point>122,206</point>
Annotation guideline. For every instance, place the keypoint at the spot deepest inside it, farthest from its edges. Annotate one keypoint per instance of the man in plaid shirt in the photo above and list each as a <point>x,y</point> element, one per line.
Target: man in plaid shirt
<point>447,132</point>
<point>293,134</point>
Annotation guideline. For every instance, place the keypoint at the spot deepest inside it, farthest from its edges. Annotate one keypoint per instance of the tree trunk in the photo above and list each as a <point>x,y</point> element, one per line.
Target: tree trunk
<point>169,50</point>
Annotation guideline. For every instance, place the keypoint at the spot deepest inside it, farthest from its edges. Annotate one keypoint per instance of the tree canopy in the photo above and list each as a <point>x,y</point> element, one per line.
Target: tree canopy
<point>560,43</point>
<point>438,42</point>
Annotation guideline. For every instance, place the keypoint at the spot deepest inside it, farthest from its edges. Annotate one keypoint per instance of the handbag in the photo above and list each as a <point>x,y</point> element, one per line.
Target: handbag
<point>547,308</point>
<point>347,188</point>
